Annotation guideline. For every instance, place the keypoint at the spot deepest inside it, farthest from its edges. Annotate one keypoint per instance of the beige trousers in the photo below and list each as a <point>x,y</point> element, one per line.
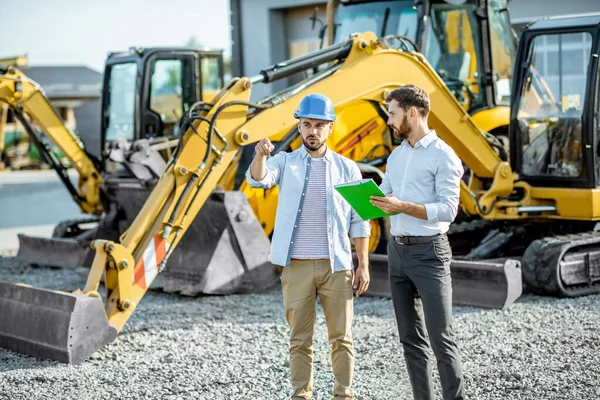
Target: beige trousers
<point>302,282</point>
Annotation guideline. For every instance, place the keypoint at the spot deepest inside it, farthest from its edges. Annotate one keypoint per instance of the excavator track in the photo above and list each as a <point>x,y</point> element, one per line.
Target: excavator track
<point>563,266</point>
<point>466,235</point>
<point>470,226</point>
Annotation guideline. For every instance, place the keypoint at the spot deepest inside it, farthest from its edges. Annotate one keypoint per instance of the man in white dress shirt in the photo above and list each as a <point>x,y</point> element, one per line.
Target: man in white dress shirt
<point>422,184</point>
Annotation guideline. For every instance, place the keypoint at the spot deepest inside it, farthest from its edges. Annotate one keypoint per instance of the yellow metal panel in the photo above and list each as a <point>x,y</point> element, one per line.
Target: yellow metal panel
<point>579,204</point>
<point>493,118</point>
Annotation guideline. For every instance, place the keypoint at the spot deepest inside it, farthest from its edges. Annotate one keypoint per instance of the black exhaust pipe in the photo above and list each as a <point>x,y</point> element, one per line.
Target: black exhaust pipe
<point>303,63</point>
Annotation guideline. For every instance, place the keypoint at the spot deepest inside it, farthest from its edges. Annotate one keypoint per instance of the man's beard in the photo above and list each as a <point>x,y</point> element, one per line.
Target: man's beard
<point>403,130</point>
<point>313,147</point>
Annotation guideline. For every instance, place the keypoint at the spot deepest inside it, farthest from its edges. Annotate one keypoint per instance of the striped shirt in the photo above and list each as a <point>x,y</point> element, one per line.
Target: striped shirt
<point>310,240</point>
<point>290,172</point>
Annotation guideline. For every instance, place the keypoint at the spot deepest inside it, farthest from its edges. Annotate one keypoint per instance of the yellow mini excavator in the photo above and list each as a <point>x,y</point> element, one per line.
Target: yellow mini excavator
<point>546,197</point>
<point>137,146</point>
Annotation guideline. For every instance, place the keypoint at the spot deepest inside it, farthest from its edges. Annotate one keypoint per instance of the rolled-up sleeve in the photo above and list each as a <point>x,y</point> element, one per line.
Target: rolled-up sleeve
<point>274,168</point>
<point>449,172</point>
<point>358,227</point>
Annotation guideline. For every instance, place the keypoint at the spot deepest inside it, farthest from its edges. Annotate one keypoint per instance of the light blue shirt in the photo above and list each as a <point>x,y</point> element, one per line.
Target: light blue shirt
<point>427,174</point>
<point>289,171</point>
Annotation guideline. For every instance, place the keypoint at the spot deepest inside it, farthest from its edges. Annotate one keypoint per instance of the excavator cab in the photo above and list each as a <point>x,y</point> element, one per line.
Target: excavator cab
<point>149,89</point>
<point>469,43</point>
<point>146,91</point>
<point>554,122</point>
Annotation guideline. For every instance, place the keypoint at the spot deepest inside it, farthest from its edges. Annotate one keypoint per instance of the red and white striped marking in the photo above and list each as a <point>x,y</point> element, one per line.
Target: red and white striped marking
<point>147,267</point>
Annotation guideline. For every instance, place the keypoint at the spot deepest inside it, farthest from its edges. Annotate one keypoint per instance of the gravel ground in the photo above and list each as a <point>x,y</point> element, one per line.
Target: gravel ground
<point>235,347</point>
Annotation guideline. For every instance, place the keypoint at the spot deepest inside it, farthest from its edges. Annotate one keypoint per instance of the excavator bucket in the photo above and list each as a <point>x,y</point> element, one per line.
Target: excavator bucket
<point>233,256</point>
<point>52,325</point>
<point>52,252</point>
<point>494,283</point>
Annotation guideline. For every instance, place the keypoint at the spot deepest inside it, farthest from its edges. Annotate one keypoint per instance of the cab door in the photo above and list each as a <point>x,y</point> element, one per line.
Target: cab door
<point>553,125</point>
<point>170,85</point>
<point>173,81</point>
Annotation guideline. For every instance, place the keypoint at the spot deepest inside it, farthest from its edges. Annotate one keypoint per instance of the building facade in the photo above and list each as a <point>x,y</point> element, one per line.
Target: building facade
<point>265,32</point>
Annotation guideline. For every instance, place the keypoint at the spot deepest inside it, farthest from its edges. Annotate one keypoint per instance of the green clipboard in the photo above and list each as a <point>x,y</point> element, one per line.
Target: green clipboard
<point>358,195</point>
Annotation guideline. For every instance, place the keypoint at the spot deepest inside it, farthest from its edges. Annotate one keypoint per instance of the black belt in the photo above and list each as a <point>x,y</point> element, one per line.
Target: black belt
<point>400,239</point>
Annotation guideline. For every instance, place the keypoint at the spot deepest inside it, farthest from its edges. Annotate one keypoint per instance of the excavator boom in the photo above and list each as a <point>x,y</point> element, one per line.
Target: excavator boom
<point>26,98</point>
<point>30,105</point>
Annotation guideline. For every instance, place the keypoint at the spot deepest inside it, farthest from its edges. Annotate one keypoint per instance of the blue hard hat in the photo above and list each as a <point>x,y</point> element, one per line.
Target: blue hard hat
<point>315,106</point>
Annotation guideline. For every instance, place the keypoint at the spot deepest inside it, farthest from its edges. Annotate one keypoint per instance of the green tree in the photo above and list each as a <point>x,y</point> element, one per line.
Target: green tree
<point>194,42</point>
<point>174,77</point>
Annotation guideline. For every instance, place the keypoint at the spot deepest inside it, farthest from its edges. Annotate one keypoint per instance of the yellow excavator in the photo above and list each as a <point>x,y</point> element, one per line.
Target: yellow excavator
<point>470,44</point>
<point>545,197</point>
<point>137,146</point>
<point>361,133</point>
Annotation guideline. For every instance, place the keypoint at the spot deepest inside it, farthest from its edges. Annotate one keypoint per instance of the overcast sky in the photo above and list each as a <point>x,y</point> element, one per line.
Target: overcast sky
<point>82,32</point>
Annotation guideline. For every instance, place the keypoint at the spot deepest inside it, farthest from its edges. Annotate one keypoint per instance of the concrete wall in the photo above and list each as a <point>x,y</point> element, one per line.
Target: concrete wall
<point>266,26</point>
<point>264,40</point>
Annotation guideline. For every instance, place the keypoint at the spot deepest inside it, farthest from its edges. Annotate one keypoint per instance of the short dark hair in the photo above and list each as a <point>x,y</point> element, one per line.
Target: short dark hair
<point>410,96</point>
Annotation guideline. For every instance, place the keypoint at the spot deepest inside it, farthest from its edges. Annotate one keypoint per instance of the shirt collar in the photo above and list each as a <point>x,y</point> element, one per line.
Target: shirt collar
<point>327,156</point>
<point>425,140</point>
<point>428,139</point>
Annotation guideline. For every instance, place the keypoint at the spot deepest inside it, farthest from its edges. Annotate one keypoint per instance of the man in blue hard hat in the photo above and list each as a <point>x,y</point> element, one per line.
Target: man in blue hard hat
<point>311,242</point>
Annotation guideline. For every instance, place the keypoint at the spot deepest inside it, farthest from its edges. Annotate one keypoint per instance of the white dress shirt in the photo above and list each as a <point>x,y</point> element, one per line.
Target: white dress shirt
<point>427,174</point>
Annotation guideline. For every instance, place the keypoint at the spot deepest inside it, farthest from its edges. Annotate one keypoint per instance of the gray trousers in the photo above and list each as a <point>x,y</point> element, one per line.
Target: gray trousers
<point>420,284</point>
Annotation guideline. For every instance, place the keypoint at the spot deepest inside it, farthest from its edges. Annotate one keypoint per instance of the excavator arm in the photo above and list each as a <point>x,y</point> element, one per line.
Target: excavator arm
<point>362,69</point>
<point>26,97</point>
<point>210,146</point>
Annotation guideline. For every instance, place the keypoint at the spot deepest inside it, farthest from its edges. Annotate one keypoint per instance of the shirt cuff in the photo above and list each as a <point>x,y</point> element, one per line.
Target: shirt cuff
<point>360,229</point>
<point>432,212</point>
<point>253,182</point>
